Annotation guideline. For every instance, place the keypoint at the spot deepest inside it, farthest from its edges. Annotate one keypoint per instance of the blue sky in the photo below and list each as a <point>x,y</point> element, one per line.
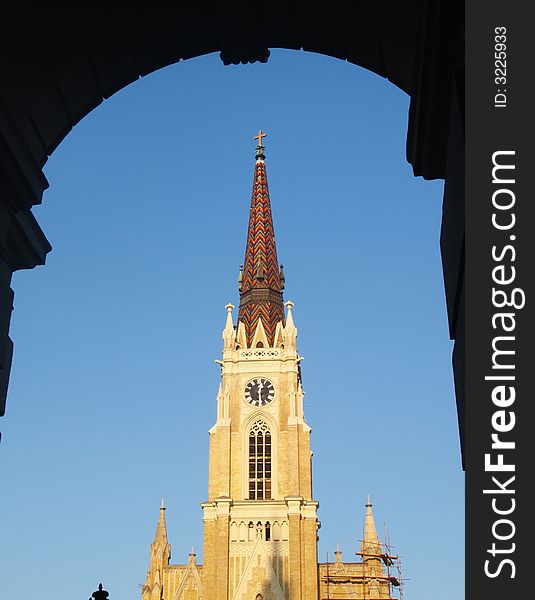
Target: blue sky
<point>113,384</point>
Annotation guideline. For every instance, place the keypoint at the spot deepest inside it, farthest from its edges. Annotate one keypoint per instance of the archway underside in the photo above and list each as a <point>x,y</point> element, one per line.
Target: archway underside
<point>52,76</point>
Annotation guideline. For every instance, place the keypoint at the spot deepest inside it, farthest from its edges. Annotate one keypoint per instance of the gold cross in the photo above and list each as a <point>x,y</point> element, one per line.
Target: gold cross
<point>259,137</point>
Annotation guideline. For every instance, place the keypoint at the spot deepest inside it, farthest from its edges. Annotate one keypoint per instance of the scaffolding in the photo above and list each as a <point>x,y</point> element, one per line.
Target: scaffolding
<point>392,576</point>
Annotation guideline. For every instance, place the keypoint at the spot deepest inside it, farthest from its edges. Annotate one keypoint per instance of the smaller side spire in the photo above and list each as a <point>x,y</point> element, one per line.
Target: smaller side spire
<point>229,333</point>
<point>289,316</point>
<point>290,330</point>
<point>370,543</point>
<point>161,527</point>
<point>160,555</point>
<point>229,326</point>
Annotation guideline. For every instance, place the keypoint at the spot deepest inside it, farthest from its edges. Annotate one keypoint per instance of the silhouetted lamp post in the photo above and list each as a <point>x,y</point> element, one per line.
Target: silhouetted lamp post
<point>100,594</point>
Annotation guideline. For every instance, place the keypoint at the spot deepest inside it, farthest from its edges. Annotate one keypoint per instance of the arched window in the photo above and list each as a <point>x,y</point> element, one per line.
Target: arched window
<point>285,530</point>
<point>259,462</point>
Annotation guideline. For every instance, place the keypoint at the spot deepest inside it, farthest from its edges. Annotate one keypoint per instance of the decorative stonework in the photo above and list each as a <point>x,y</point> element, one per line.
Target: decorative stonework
<point>256,353</point>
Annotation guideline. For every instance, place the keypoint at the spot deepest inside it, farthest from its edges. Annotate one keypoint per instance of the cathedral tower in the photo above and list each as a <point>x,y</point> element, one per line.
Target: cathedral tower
<point>260,523</point>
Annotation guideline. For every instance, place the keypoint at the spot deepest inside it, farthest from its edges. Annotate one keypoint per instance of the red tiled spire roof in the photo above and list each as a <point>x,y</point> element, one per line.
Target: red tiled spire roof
<point>261,279</point>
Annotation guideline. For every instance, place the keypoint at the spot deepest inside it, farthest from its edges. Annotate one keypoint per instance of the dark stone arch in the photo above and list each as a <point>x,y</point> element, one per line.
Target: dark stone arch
<point>52,75</point>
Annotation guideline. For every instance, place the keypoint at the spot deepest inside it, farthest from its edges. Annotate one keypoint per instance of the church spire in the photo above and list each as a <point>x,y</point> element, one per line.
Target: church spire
<point>261,280</point>
<point>370,543</point>
<point>160,554</point>
<point>161,529</point>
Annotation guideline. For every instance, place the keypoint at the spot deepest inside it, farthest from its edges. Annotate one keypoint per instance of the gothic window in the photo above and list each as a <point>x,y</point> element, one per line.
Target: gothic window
<point>234,531</point>
<point>259,462</point>
<point>285,530</point>
<point>276,531</point>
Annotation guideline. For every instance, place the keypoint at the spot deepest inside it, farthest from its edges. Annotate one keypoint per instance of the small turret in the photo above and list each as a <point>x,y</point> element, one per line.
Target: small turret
<point>370,543</point>
<point>229,333</point>
<point>160,555</point>
<point>371,552</point>
<point>290,330</point>
<point>160,537</point>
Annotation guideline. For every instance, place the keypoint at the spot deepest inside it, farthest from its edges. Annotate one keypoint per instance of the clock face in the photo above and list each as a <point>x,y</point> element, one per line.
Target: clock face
<point>259,392</point>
